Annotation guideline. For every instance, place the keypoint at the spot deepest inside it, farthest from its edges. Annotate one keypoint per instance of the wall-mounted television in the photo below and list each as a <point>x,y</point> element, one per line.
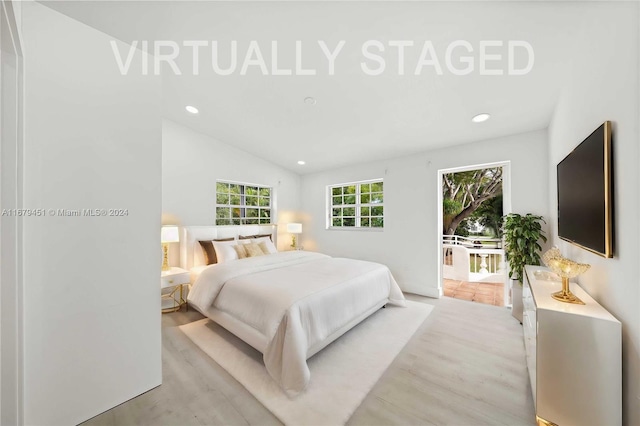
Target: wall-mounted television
<point>585,191</point>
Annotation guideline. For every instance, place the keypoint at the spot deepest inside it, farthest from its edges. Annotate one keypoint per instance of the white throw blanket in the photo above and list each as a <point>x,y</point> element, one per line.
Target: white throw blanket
<point>297,300</point>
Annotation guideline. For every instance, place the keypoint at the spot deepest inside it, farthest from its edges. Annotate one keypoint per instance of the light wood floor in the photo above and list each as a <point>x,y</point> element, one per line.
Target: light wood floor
<point>464,366</point>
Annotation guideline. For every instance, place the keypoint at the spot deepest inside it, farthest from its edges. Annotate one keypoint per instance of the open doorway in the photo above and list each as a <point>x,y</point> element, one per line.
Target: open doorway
<point>471,203</point>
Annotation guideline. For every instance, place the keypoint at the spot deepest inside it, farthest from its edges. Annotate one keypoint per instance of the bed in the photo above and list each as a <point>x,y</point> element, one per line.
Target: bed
<point>288,305</point>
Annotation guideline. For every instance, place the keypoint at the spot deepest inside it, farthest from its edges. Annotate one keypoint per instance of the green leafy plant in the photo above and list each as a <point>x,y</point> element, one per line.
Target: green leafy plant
<point>521,236</point>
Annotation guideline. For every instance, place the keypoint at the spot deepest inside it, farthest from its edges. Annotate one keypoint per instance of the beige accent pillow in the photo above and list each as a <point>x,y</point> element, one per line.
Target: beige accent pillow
<point>241,250</point>
<point>253,250</point>
<point>270,246</point>
<point>264,248</point>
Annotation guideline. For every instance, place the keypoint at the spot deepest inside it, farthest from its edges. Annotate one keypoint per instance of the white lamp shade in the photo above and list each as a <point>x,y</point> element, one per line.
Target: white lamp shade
<point>294,228</point>
<point>169,234</point>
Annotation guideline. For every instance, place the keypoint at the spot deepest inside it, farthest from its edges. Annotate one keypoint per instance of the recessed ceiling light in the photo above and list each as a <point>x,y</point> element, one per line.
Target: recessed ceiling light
<point>301,162</point>
<point>191,109</point>
<point>480,117</point>
<point>310,101</point>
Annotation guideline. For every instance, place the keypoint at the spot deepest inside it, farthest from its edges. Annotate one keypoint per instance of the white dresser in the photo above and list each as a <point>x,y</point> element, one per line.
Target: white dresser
<point>573,355</point>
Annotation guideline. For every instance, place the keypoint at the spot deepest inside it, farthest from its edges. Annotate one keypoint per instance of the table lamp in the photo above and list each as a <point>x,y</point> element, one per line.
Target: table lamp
<point>294,229</point>
<point>566,269</point>
<point>168,234</point>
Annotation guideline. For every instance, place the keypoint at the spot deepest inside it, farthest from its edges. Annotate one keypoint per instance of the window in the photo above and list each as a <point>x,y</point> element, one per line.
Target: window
<point>242,204</point>
<point>356,205</point>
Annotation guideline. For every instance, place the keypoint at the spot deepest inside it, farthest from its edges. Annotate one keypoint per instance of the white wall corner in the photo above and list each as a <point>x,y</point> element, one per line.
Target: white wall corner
<point>433,292</point>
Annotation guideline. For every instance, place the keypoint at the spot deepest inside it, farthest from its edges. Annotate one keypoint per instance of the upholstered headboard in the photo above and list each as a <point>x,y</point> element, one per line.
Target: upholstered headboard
<point>190,248</point>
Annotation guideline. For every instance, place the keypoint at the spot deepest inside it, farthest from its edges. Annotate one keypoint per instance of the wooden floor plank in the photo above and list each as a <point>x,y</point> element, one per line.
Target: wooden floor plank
<point>464,366</point>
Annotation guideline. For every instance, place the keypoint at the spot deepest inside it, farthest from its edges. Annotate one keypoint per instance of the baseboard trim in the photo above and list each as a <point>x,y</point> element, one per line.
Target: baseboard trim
<point>435,293</point>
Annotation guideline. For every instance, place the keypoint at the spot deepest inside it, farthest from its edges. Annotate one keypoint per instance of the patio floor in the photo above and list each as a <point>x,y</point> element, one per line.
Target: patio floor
<point>486,293</point>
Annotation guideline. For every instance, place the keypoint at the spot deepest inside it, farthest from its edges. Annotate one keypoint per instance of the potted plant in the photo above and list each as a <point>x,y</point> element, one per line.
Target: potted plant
<point>521,236</point>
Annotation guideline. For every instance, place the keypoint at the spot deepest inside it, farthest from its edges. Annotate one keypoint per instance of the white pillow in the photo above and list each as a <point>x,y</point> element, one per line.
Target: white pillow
<point>225,251</point>
<point>270,246</point>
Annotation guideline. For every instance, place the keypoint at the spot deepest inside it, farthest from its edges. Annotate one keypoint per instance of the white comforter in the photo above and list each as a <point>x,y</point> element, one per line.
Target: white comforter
<point>296,300</point>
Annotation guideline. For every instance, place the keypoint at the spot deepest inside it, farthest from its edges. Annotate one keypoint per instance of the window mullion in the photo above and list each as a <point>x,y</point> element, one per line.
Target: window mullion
<point>338,193</point>
<point>330,201</point>
<point>241,207</point>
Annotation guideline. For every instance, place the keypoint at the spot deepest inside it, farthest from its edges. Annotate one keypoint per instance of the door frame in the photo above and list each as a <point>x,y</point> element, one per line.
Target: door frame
<point>506,209</point>
<point>11,185</point>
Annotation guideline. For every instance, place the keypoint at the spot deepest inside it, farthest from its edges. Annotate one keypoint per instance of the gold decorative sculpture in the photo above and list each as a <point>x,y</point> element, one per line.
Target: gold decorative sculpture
<point>566,269</point>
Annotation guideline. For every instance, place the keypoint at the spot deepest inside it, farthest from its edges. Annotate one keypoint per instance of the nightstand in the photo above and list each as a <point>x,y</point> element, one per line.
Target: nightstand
<point>174,280</point>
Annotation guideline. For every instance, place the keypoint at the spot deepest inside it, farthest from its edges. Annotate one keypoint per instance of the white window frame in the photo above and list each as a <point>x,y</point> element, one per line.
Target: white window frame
<point>243,206</point>
<point>357,206</point>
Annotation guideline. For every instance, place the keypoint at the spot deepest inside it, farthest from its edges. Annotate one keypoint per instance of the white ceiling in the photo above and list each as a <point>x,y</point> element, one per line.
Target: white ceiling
<point>357,117</point>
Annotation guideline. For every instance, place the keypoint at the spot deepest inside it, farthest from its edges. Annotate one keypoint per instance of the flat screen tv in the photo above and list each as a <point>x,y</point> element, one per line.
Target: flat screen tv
<point>585,192</point>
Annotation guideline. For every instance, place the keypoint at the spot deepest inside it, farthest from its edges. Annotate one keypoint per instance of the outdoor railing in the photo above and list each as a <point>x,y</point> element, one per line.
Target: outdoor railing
<point>475,242</point>
<point>478,258</point>
<point>486,261</point>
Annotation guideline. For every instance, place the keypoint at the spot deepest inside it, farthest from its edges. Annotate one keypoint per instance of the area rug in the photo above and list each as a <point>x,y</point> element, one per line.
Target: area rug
<point>342,374</point>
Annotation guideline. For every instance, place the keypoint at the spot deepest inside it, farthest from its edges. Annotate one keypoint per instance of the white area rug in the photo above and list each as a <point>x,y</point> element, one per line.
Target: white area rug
<point>342,374</point>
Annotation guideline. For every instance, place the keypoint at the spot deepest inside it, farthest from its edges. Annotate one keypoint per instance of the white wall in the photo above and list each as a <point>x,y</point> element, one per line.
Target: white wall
<point>11,144</point>
<point>409,242</point>
<point>91,299</point>
<point>605,87</point>
<point>191,164</point>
